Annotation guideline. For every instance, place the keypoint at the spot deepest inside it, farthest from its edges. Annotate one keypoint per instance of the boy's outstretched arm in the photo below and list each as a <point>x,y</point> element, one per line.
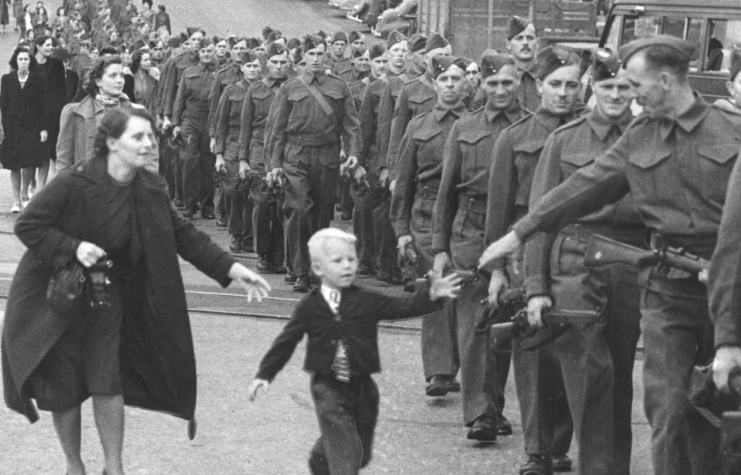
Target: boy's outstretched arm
<point>258,383</point>
<point>444,287</point>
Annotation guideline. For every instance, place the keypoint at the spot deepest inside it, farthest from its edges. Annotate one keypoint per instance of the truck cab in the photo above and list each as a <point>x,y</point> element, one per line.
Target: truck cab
<point>713,26</point>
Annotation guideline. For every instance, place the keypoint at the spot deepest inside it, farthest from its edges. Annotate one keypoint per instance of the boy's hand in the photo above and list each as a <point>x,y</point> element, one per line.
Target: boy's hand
<point>444,287</point>
<point>256,385</point>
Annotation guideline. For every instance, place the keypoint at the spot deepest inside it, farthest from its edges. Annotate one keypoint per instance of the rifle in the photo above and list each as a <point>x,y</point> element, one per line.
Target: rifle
<point>722,411</point>
<point>245,184</point>
<point>602,251</point>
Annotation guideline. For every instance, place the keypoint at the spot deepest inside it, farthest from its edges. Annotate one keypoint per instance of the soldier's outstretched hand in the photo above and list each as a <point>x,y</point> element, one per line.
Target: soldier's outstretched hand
<point>447,287</point>
<point>507,246</point>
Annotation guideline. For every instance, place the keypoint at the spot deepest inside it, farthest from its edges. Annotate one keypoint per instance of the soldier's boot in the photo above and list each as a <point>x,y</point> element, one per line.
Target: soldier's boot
<point>537,464</point>
<point>263,265</point>
<point>561,463</point>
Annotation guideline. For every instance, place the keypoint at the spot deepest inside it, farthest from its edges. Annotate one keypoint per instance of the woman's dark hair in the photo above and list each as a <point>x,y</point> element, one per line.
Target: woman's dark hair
<point>14,59</point>
<point>148,2</point>
<point>99,69</point>
<point>61,9</point>
<point>109,50</point>
<point>39,41</point>
<point>136,60</point>
<point>114,125</point>
<point>162,8</point>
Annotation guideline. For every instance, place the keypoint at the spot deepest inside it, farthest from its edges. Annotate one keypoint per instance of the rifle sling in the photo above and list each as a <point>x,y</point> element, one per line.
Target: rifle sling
<point>321,101</point>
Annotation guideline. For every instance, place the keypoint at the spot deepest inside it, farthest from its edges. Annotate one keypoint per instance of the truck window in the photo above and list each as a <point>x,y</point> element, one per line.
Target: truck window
<point>638,27</point>
<point>723,35</point>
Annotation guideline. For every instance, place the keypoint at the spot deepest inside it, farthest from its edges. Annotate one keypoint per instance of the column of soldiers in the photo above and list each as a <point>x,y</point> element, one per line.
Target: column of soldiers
<point>437,170</point>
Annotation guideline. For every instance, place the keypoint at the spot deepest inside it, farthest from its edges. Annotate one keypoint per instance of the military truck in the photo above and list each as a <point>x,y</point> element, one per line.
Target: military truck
<point>713,26</point>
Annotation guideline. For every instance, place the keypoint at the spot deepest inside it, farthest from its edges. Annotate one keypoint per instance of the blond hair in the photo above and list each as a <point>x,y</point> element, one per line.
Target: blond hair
<point>316,242</point>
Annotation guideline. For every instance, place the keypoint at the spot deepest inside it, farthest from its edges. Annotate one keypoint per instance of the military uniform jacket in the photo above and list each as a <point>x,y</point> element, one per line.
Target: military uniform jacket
<point>386,111</point>
<point>357,89</point>
<point>351,76</point>
<point>369,123</point>
<point>228,121</point>
<point>255,110</point>
<point>513,163</point>
<point>421,161</point>
<point>569,148</point>
<point>415,97</point>
<point>171,79</point>
<point>192,97</point>
<point>466,162</point>
<point>677,169</point>
<point>339,66</point>
<point>227,76</point>
<point>360,311</point>
<point>297,118</point>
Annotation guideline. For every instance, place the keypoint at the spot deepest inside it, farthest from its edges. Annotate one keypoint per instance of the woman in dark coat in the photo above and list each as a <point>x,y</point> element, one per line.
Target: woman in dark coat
<point>139,349</point>
<point>52,70</point>
<point>24,117</point>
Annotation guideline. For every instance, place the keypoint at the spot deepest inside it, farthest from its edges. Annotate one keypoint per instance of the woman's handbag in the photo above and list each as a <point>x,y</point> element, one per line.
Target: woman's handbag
<point>65,287</point>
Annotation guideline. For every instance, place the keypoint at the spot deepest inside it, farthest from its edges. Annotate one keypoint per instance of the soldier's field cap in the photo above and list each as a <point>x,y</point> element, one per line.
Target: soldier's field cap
<point>274,35</point>
<point>516,25</point>
<point>173,42</point>
<point>435,41</point>
<point>417,42</point>
<point>293,43</point>
<point>551,58</point>
<point>248,57</point>
<point>275,49</point>
<point>605,64</point>
<point>441,63</point>
<point>493,61</point>
<point>683,48</point>
<point>253,43</point>
<point>339,36</point>
<point>354,36</point>
<point>313,41</point>
<point>395,37</point>
<point>376,51</point>
<point>735,63</point>
<point>266,32</point>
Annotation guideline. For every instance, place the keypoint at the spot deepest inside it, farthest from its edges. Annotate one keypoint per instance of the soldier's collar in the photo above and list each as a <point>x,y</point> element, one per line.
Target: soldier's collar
<point>551,121</point>
<point>441,111</point>
<point>692,117</point>
<point>270,82</point>
<point>207,66</point>
<point>309,76</point>
<point>512,112</point>
<point>602,125</point>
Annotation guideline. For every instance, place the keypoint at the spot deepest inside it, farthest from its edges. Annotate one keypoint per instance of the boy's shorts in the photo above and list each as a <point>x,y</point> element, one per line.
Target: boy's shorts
<point>84,361</point>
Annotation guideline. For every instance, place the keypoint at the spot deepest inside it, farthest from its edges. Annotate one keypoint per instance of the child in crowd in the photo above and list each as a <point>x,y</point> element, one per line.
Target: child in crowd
<point>341,320</point>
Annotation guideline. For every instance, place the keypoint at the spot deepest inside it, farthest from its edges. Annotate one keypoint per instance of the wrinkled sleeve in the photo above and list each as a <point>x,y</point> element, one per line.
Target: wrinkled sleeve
<point>275,142</point>
<point>401,117</point>
<point>245,128</point>
<point>446,204</point>
<point>500,202</point>
<point>403,197</point>
<point>222,123</point>
<point>214,102</point>
<point>66,142</point>
<point>385,116</point>
<point>367,126</point>
<point>350,124</point>
<point>282,348</point>
<point>179,105</point>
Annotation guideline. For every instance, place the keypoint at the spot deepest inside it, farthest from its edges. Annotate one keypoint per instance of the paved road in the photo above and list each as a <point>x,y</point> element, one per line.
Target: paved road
<point>415,435</point>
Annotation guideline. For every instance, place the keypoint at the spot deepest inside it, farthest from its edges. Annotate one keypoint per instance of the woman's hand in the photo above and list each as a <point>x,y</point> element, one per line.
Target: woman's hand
<point>253,284</point>
<point>88,253</point>
<point>44,136</point>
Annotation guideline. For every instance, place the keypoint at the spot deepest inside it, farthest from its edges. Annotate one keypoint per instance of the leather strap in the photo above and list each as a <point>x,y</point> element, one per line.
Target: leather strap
<point>320,99</point>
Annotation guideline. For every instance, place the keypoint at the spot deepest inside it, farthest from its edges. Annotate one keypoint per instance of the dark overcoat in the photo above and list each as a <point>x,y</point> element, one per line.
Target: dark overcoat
<point>157,360</point>
<point>25,114</point>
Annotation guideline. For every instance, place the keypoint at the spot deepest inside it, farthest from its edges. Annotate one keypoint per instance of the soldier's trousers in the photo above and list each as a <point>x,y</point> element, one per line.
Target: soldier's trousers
<point>347,414</point>
<point>386,252</point>
<point>439,336</point>
<point>483,374</point>
<point>173,172</point>
<point>677,335</point>
<point>363,226</point>
<point>310,195</point>
<point>198,164</point>
<point>267,222</point>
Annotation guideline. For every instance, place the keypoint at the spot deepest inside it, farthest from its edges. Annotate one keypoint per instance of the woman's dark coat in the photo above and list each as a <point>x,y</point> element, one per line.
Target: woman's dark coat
<point>56,96</point>
<point>157,360</point>
<point>24,114</point>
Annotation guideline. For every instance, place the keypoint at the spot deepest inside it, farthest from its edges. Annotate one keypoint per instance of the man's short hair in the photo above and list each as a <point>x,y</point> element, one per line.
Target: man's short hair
<point>660,57</point>
<point>316,242</point>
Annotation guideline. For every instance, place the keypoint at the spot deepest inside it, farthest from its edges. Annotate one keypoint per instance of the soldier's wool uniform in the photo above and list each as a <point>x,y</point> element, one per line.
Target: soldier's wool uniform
<point>305,141</point>
<point>412,204</point>
<point>458,225</point>
<point>586,357</point>
<point>677,169</point>
<point>190,112</point>
<point>514,159</point>
<point>227,130</point>
<point>267,216</point>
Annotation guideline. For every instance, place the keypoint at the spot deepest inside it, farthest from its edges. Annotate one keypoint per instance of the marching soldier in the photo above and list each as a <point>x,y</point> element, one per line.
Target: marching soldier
<point>268,206</point>
<point>357,42</point>
<point>226,148</point>
<point>458,225</point>
<point>587,356</point>
<point>514,159</point>
<point>676,158</point>
<point>384,237</point>
<point>190,119</point>
<point>311,117</point>
<point>361,68</point>
<point>336,61</point>
<point>412,204</point>
<point>363,220</point>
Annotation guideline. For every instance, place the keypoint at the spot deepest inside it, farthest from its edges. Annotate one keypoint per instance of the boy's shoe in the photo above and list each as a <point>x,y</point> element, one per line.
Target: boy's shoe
<point>484,429</point>
<point>561,463</point>
<point>537,464</point>
<point>438,386</point>
<point>236,244</point>
<point>263,266</point>
<point>302,285</point>
<point>504,426</point>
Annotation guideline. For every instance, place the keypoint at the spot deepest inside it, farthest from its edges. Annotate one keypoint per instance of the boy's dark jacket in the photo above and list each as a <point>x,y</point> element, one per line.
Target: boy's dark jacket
<point>360,312</point>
